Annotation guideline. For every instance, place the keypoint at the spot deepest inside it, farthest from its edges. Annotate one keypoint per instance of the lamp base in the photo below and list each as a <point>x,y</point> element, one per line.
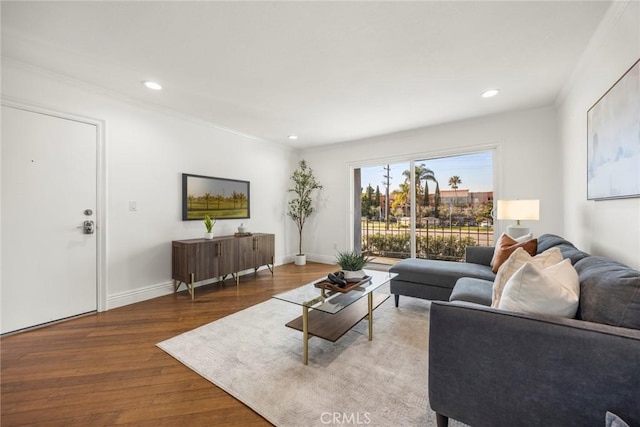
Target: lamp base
<point>516,231</point>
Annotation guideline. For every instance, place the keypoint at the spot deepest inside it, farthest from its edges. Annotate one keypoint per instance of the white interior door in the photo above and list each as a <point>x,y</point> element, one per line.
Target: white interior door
<point>49,264</point>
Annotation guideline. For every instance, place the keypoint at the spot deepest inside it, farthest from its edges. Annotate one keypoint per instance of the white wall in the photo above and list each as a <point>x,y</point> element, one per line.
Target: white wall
<point>540,153</point>
<point>146,152</point>
<point>609,227</point>
<point>527,158</point>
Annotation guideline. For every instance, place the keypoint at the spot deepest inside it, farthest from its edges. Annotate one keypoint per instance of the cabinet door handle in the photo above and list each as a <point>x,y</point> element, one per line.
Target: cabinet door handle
<point>255,244</point>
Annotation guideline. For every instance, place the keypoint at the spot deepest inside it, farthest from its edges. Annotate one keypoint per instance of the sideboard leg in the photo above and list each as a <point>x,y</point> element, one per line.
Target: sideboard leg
<point>190,287</point>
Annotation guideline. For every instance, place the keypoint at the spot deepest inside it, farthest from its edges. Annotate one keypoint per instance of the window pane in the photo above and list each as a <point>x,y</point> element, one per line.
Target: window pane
<point>453,204</point>
<point>385,212</point>
<point>456,200</point>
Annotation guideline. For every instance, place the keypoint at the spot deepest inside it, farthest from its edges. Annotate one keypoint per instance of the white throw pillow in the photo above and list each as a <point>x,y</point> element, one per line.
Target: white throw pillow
<point>517,259</point>
<point>554,290</point>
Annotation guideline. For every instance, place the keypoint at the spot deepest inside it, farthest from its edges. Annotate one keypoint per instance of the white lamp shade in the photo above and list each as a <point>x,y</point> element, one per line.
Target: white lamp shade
<point>519,209</point>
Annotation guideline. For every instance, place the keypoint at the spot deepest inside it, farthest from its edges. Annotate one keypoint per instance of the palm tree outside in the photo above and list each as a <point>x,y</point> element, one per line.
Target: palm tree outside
<point>454,181</point>
<point>424,173</point>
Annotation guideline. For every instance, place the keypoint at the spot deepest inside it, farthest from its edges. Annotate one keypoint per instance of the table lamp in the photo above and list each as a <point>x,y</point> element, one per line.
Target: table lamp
<point>518,210</point>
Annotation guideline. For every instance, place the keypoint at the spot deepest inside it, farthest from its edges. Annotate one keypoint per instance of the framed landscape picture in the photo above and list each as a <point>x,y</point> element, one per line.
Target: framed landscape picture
<point>220,198</point>
<point>613,140</point>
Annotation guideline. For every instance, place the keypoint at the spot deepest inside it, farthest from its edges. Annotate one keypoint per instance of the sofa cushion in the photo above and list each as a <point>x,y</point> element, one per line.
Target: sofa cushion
<point>479,254</point>
<point>439,273</point>
<point>553,291</point>
<point>572,253</point>
<point>505,247</point>
<point>473,290</point>
<point>610,292</point>
<point>547,241</point>
<point>517,259</point>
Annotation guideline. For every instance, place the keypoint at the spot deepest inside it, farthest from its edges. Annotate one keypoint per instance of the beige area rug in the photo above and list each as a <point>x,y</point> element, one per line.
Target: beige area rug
<point>255,358</point>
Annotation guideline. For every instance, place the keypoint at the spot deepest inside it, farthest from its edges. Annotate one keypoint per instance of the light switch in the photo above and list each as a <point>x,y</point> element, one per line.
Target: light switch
<point>133,206</point>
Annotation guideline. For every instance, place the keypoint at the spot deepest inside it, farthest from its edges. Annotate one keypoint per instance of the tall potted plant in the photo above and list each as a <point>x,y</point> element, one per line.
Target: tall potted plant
<point>301,206</point>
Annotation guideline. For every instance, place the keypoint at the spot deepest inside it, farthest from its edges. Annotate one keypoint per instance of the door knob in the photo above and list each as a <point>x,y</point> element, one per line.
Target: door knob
<point>88,227</point>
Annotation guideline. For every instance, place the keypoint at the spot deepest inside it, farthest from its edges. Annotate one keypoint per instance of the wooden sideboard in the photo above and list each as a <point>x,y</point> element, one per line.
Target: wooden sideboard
<point>195,260</point>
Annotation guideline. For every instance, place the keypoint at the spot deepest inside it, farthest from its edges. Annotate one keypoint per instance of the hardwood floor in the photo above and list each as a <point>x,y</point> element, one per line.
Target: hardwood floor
<point>105,369</point>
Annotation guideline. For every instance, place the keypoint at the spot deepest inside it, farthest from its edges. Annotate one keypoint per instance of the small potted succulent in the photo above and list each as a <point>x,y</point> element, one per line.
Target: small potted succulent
<point>208,224</point>
<point>352,264</point>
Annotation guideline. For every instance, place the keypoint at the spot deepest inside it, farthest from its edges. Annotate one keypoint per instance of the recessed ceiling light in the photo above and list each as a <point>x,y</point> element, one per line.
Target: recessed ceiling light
<point>489,93</point>
<point>152,85</point>
<point>293,137</point>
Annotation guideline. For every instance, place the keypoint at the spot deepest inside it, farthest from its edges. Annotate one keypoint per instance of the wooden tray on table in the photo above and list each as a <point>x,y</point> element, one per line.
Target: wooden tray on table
<point>330,286</point>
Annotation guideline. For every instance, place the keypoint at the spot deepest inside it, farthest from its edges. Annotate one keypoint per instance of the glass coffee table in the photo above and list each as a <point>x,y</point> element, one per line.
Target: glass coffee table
<point>329,314</point>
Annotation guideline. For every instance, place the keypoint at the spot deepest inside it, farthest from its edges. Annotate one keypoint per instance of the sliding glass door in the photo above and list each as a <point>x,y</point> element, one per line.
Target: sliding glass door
<point>425,208</point>
<point>382,217</point>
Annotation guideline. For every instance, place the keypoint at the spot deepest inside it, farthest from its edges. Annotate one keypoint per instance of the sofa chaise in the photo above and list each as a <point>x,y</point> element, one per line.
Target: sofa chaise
<point>435,279</point>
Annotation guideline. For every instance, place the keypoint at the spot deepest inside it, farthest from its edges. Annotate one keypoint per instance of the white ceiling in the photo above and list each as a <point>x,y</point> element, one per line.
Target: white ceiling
<point>326,71</point>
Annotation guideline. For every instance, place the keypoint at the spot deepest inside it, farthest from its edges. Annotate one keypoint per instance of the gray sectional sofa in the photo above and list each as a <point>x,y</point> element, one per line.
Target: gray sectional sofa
<point>491,367</point>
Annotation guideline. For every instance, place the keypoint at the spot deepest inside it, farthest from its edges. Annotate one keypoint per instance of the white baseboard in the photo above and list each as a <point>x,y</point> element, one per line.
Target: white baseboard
<point>287,259</point>
<point>323,259</point>
<point>161,289</point>
<point>141,294</point>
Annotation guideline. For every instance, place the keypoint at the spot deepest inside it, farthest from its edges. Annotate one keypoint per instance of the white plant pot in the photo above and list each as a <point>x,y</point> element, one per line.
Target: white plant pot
<point>353,275</point>
<point>301,260</point>
<point>208,236</point>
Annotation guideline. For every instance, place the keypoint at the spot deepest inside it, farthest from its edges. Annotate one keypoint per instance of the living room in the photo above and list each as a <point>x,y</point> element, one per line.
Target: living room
<point>540,153</point>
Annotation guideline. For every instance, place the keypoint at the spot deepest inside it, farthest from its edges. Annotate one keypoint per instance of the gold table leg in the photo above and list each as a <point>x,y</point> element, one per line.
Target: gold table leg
<point>190,285</point>
<point>305,334</point>
<point>370,298</point>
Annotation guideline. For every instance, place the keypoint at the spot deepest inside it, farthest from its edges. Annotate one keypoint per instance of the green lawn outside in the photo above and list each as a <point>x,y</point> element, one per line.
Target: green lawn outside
<point>224,209</point>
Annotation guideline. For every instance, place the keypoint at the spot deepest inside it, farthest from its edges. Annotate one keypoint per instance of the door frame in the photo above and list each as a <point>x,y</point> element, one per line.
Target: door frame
<point>101,196</point>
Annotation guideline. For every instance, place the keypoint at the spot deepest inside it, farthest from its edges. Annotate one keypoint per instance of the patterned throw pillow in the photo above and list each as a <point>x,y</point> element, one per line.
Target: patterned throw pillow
<point>505,247</point>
